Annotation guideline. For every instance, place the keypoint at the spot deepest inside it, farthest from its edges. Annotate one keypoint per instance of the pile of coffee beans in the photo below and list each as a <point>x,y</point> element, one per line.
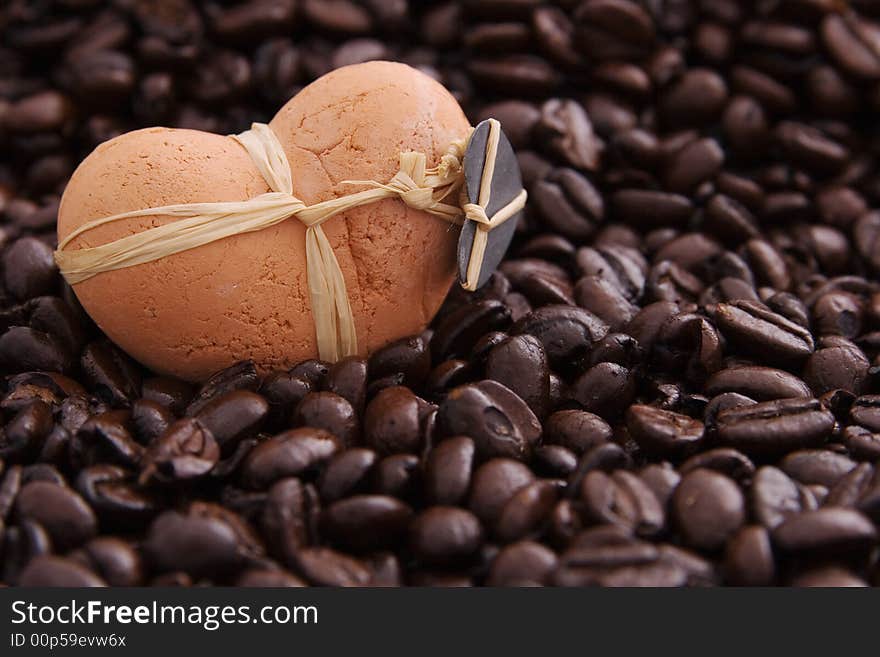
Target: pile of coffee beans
<point>673,378</point>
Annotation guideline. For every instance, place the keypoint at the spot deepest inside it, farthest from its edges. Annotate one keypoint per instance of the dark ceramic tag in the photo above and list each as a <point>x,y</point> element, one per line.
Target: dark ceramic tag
<point>506,185</point>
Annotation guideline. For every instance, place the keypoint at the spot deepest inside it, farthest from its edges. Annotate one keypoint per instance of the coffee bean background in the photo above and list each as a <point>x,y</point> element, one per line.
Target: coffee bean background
<point>673,378</point>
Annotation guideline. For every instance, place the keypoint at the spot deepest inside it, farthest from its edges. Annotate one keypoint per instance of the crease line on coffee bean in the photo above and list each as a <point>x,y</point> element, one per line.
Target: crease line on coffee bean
<point>418,186</point>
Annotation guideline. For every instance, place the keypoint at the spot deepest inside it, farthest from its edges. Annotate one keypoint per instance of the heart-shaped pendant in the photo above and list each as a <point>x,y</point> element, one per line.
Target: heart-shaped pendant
<point>247,296</point>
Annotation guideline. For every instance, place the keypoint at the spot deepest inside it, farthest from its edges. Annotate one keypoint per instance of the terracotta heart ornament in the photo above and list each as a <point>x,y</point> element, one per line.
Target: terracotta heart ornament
<point>328,233</point>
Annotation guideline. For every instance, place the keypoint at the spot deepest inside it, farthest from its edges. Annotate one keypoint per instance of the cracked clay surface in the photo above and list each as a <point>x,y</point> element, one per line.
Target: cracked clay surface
<point>196,312</point>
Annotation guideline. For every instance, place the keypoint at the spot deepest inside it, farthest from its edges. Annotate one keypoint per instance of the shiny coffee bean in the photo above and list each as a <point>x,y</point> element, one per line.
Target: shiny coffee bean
<point>448,469</point>
<point>445,535</point>
<point>663,432</point>
<point>204,541</point>
<point>185,451</point>
<point>366,522</point>
<point>66,517</point>
<point>499,422</point>
<point>708,509</point>
<point>233,417</point>
<point>774,427</point>
<point>294,453</point>
<point>393,421</point>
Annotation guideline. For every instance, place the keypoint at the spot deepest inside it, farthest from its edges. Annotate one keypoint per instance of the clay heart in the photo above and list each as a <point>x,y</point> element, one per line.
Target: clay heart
<point>195,312</point>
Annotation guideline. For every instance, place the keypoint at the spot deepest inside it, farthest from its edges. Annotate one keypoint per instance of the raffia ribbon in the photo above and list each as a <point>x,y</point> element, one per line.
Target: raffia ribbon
<point>420,187</point>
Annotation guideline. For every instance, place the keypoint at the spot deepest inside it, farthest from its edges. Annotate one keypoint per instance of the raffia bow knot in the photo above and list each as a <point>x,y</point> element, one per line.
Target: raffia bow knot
<point>419,187</point>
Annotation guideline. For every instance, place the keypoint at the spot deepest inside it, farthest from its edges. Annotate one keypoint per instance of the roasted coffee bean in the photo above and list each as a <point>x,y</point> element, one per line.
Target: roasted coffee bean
<point>326,567</point>
<point>622,266</point>
<point>58,571</point>
<point>105,438</point>
<point>348,379</point>
<point>28,387</point>
<point>185,451</point>
<point>524,563</point>
<point>66,517</point>
<point>669,282</point>
<point>749,558</point>
<point>232,417</point>
<point>827,577</point>
<point>393,421</point>
<point>23,349</point>
<point>837,368</point>
<point>729,220</point>
<point>636,206</point>
<point>330,412</point>
<point>241,376</point>
<point>806,146</point>
<point>605,300</point>
<point>645,326</point>
<point>283,391</point>
<point>397,475</point>
<point>287,519</point>
<point>555,461</point>
<point>767,264</point>
<point>111,372</point>
<point>865,412</point>
<point>566,129</point>
<point>850,41</point>
<point>173,394</point>
<point>293,453</point>
<point>496,419</point>
<point>838,313</point>
<point>774,427</point>
<point>617,348</point>
<point>520,363</point>
<point>605,389</point>
<point>566,332</point>
<point>273,578</point>
<point>518,118</point>
<point>458,331</point>
<point>206,540</point>
<point>447,375</point>
<point>756,382</point>
<point>658,431</point>
<point>366,522</point>
<point>114,560</point>
<point>525,75</point>
<point>851,487</point>
<point>29,269</point>
<point>445,535</point>
<point>448,469</point>
<point>862,443</point>
<point>677,107</point>
<point>661,479</point>
<point>775,497</point>
<point>607,458</point>
<point>826,532</point>
<point>409,357</point>
<point>526,511</point>
<point>690,343</point>
<point>493,485</point>
<point>346,473</point>
<point>579,431</point>
<point>149,420</point>
<point>727,461</point>
<point>817,466</point>
<point>708,509</point>
<point>767,335</point>
<point>621,499</point>
<point>25,432</point>
<point>110,491</point>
